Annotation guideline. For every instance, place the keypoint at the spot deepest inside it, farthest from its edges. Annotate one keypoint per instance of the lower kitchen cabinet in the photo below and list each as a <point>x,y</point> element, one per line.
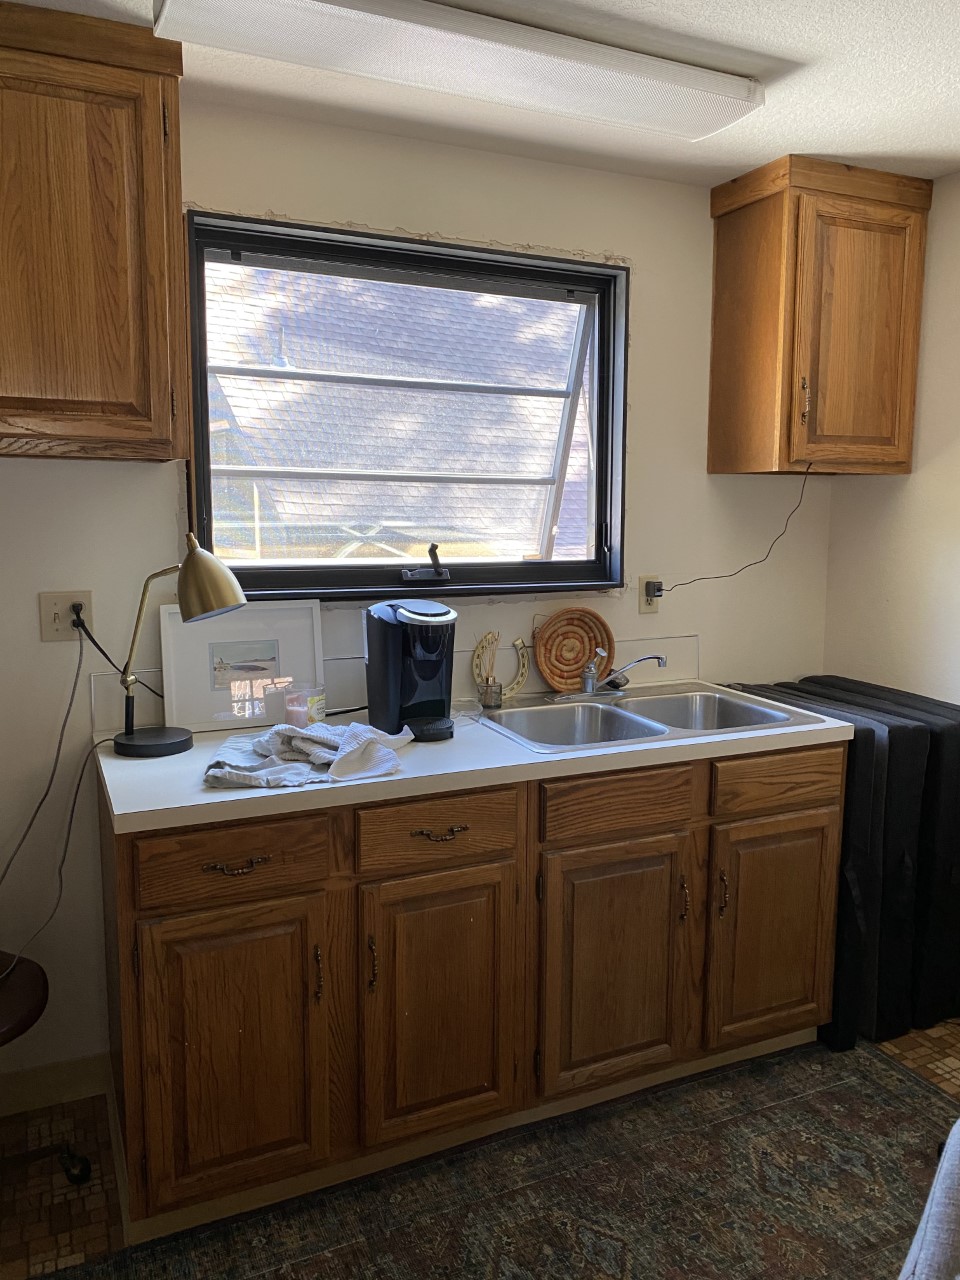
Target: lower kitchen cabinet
<point>234,1032</point>
<point>773,894</point>
<point>439,955</point>
<point>306,991</point>
<point>622,957</point>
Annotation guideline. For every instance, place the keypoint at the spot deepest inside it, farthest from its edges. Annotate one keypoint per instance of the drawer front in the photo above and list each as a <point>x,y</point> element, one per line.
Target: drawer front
<point>443,832</point>
<point>232,864</point>
<point>781,781</point>
<point>589,811</point>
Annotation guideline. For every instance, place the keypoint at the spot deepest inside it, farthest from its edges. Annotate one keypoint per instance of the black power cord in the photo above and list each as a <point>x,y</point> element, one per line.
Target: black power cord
<point>715,577</point>
<point>53,771</point>
<point>65,849</point>
<point>40,803</point>
<point>79,625</point>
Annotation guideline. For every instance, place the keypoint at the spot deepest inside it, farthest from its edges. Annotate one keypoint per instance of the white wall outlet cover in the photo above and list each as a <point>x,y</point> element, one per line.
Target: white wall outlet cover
<point>56,617</point>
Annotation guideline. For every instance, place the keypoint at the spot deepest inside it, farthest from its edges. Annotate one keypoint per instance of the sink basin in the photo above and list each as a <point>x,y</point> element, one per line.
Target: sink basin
<point>702,712</point>
<point>576,724</point>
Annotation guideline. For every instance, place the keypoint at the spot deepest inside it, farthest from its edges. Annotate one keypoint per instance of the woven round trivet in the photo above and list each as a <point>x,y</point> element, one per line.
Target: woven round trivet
<point>566,642</point>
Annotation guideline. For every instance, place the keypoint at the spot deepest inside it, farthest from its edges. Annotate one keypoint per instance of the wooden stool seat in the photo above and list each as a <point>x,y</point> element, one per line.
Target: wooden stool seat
<point>23,996</point>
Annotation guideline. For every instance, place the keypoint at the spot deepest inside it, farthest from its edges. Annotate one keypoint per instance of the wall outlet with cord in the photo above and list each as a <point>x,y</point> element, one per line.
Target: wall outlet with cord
<point>56,613</point>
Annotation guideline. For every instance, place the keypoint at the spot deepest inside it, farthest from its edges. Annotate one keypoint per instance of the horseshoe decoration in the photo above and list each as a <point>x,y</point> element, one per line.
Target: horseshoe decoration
<point>523,662</point>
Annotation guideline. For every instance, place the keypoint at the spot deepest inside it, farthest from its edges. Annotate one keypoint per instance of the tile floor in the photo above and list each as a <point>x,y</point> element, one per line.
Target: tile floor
<point>933,1054</point>
<point>47,1225</point>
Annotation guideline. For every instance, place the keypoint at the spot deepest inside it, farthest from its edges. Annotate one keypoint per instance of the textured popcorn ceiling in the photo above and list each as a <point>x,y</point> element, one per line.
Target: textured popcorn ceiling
<point>870,81</point>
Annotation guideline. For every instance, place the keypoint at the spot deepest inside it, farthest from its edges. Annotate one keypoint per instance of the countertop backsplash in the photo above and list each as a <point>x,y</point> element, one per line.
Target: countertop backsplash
<point>344,672</point>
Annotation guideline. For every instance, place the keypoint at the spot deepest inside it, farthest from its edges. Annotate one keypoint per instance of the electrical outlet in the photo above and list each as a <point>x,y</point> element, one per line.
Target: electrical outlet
<point>56,618</point>
<point>648,604</point>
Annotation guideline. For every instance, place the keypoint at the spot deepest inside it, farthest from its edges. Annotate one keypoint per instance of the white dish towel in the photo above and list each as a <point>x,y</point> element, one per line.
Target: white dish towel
<point>286,756</point>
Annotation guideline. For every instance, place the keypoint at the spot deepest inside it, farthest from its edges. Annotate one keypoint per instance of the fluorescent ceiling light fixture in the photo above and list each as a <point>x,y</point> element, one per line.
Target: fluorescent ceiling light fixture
<point>431,46</point>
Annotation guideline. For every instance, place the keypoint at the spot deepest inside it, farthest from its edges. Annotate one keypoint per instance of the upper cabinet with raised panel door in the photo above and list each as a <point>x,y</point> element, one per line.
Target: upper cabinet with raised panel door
<point>818,278</point>
<point>92,309</point>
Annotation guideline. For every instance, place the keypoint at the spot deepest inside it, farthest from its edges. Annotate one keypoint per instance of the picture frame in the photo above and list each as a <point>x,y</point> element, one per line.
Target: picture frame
<point>229,671</point>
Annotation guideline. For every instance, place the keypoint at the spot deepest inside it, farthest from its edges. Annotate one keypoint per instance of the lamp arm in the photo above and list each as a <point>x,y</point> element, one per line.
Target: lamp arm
<point>127,679</point>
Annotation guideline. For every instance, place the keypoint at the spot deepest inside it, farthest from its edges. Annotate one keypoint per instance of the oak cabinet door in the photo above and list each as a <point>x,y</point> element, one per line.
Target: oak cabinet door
<point>90,258</point>
<point>234,1013</point>
<point>859,285</point>
<point>773,895</point>
<point>622,960</point>
<point>439,961</point>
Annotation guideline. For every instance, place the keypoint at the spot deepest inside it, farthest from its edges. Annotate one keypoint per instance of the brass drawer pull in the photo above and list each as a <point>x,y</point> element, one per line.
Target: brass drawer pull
<point>725,900</point>
<point>251,864</point>
<point>686,898</point>
<point>451,834</point>
<point>375,968</point>
<point>318,961</point>
<point>807,400</point>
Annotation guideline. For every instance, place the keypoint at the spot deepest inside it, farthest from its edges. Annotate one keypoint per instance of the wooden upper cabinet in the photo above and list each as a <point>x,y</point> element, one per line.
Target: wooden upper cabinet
<point>235,1033</point>
<point>772,913</point>
<point>93,322</point>
<point>439,964</point>
<point>818,276</point>
<point>622,959</point>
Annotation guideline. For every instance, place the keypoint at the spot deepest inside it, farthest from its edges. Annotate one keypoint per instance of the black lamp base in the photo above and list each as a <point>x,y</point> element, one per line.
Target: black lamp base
<point>162,740</point>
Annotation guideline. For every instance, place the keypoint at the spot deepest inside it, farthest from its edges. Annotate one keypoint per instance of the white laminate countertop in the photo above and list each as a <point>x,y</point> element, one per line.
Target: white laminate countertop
<point>149,795</point>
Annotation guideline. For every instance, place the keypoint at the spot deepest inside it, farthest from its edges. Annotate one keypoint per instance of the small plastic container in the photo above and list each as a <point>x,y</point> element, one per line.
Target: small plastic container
<point>305,704</point>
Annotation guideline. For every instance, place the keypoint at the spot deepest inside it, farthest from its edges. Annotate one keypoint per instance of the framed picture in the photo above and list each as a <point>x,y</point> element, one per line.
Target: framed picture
<point>230,671</point>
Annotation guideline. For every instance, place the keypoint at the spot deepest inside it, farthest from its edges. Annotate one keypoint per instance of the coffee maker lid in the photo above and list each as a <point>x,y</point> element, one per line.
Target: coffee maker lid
<point>424,613</point>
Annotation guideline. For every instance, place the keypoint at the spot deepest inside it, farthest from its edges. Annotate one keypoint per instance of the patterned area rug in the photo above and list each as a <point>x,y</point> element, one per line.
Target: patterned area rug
<point>806,1164</point>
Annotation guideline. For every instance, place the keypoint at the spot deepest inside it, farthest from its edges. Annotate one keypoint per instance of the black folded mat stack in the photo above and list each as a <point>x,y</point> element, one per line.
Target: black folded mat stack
<point>898,920</point>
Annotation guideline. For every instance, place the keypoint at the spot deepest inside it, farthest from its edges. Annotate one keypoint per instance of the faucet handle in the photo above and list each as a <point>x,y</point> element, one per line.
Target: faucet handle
<point>601,653</point>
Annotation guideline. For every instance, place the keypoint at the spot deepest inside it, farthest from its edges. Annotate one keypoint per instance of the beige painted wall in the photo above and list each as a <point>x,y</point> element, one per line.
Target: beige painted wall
<point>894,581</point>
<point>680,522</point>
<point>105,525</point>
<point>101,526</point>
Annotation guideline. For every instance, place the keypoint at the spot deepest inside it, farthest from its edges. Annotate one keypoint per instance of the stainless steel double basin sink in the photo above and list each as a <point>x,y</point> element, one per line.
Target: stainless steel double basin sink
<point>684,711</point>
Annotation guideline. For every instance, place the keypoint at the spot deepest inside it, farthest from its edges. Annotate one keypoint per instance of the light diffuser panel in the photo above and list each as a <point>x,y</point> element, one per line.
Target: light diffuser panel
<point>431,46</point>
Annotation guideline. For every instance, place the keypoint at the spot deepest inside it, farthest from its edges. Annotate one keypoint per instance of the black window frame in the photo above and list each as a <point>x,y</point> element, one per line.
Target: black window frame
<point>239,235</point>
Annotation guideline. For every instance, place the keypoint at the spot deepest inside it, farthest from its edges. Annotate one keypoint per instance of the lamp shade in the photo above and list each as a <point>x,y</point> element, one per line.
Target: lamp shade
<point>205,587</point>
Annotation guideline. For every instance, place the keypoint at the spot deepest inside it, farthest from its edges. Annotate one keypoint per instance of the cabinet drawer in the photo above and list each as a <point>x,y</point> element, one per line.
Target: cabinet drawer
<point>232,864</point>
<point>440,832</point>
<point>786,780</point>
<point>591,810</point>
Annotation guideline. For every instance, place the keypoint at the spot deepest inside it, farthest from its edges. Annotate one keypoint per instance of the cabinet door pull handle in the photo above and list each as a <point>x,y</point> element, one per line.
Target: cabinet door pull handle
<point>725,899</point>
<point>318,961</point>
<point>686,898</point>
<point>807,399</point>
<point>451,834</point>
<point>374,966</point>
<point>244,870</point>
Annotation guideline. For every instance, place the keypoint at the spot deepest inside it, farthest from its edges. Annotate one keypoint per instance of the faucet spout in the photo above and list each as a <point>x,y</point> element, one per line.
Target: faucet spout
<point>618,679</point>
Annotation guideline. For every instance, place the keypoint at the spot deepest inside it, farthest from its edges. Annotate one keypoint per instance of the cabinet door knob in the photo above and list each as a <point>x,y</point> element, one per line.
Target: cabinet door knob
<point>451,833</point>
<point>374,966</point>
<point>686,898</point>
<point>725,892</point>
<point>318,961</point>
<point>243,870</point>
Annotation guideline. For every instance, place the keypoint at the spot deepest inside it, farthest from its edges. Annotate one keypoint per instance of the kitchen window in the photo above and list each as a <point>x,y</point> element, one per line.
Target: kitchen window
<point>358,398</point>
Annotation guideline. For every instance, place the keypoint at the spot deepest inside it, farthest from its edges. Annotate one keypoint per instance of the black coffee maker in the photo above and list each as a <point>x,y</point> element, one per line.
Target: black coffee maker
<point>408,655</point>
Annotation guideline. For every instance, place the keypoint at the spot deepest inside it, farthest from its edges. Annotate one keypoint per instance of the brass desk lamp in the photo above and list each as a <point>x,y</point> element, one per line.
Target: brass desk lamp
<point>205,588</point>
